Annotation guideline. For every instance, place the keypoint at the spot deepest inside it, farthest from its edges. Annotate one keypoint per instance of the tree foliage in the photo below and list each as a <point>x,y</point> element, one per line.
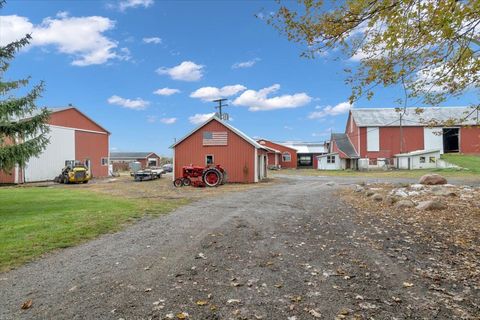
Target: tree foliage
<point>429,47</point>
<point>23,128</point>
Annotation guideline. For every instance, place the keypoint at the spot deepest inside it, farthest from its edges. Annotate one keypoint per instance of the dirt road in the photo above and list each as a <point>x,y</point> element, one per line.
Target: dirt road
<point>292,250</point>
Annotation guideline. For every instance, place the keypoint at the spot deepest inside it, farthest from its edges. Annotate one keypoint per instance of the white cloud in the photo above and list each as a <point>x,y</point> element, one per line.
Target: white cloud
<point>80,37</point>
<point>154,40</point>
<point>341,108</point>
<point>185,71</point>
<point>166,91</point>
<point>168,120</point>
<point>200,118</point>
<point>259,101</point>
<point>126,4</point>
<point>135,104</point>
<point>212,93</point>
<point>245,64</point>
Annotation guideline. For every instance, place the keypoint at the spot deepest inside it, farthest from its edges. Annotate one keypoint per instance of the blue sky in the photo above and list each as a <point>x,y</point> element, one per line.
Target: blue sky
<point>146,69</point>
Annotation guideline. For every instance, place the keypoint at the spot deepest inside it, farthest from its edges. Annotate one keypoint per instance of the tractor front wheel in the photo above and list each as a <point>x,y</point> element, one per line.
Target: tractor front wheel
<point>186,182</point>
<point>212,177</point>
<point>178,182</point>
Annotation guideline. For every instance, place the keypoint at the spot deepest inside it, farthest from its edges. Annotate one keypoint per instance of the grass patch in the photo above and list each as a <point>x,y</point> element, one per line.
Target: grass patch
<point>469,162</point>
<point>37,220</point>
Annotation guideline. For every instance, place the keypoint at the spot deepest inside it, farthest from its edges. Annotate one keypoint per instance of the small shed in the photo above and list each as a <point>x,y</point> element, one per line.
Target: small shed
<point>330,161</point>
<point>420,159</point>
<point>120,160</point>
<point>216,142</point>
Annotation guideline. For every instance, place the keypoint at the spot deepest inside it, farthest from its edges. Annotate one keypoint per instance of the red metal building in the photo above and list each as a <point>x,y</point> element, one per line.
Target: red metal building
<point>216,142</point>
<point>280,155</point>
<point>73,136</point>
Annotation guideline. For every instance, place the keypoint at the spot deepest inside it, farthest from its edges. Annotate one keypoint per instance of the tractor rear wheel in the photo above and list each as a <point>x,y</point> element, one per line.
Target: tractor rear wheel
<point>212,177</point>
<point>178,182</point>
<point>186,182</point>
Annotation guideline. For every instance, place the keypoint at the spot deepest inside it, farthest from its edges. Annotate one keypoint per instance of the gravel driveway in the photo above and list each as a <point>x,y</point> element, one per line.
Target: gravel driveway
<point>292,250</point>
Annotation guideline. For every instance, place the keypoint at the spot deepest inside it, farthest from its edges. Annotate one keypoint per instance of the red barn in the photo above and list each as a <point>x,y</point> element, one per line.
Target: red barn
<point>376,133</point>
<point>216,142</point>
<point>280,155</point>
<point>73,136</point>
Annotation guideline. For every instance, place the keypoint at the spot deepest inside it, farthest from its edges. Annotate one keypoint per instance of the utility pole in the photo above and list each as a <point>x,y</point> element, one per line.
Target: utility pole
<point>220,106</point>
<point>401,133</point>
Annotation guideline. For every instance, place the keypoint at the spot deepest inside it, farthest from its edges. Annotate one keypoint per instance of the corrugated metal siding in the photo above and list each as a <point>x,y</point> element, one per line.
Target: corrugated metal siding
<point>52,160</point>
<point>93,146</point>
<point>238,155</point>
<point>470,140</point>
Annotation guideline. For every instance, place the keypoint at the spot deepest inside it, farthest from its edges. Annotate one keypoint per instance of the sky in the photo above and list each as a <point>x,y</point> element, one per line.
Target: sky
<point>147,70</point>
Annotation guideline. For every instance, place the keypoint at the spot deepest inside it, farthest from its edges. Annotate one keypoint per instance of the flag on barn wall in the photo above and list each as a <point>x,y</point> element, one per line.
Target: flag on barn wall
<point>219,138</point>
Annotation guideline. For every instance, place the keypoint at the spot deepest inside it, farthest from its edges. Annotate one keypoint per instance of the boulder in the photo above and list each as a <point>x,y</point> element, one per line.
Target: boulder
<point>391,199</point>
<point>431,205</point>
<point>445,193</point>
<point>432,179</point>
<point>377,197</point>
<point>330,183</point>
<point>404,204</point>
<point>400,193</point>
<point>417,187</point>
<point>359,188</point>
<point>369,193</point>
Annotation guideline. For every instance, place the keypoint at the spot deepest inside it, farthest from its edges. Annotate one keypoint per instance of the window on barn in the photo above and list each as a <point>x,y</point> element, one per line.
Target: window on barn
<point>286,157</point>
<point>432,160</point>
<point>330,159</point>
<point>422,159</point>
<point>104,161</point>
<point>209,159</point>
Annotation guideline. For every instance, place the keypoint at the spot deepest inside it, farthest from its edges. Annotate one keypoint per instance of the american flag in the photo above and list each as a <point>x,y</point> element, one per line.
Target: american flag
<point>215,138</point>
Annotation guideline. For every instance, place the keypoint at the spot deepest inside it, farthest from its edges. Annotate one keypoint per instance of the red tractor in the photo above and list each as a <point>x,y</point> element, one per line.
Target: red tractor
<point>201,176</point>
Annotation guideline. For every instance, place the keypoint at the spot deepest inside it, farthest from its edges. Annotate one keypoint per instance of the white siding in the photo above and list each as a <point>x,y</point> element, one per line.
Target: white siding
<point>52,160</point>
<point>433,139</point>
<point>324,165</point>
<point>373,139</point>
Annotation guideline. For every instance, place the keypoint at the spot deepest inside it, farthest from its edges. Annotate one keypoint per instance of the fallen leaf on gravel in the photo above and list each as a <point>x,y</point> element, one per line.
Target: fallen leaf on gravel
<point>148,289</point>
<point>201,256</point>
<point>201,303</point>
<point>146,268</point>
<point>396,299</point>
<point>278,285</point>
<point>27,304</point>
<point>292,318</point>
<point>169,316</point>
<point>314,313</point>
<point>230,301</point>
<point>407,284</point>
<point>182,315</point>
<point>296,298</point>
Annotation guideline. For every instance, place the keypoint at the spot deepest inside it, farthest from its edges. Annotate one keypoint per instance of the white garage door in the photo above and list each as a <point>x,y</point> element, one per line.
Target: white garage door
<point>433,139</point>
<point>52,160</point>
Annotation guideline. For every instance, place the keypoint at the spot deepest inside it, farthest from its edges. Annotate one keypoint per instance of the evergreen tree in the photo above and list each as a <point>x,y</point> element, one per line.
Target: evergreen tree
<point>23,128</point>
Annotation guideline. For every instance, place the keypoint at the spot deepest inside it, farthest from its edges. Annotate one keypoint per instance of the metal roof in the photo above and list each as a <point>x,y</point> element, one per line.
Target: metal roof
<point>229,126</point>
<point>417,152</point>
<point>344,144</point>
<point>130,155</point>
<point>382,117</point>
<point>306,147</point>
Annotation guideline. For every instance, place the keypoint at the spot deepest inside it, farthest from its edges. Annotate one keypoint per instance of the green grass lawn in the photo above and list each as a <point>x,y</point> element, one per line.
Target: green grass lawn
<point>469,162</point>
<point>36,220</point>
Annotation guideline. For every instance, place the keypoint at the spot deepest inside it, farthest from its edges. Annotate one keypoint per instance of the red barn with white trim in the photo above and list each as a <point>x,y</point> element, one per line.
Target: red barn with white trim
<point>216,142</point>
<point>73,136</point>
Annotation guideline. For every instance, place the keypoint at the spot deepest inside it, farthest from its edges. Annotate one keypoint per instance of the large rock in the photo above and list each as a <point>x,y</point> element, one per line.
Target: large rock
<point>404,204</point>
<point>432,179</point>
<point>377,197</point>
<point>431,205</point>
<point>445,193</point>
<point>369,193</point>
